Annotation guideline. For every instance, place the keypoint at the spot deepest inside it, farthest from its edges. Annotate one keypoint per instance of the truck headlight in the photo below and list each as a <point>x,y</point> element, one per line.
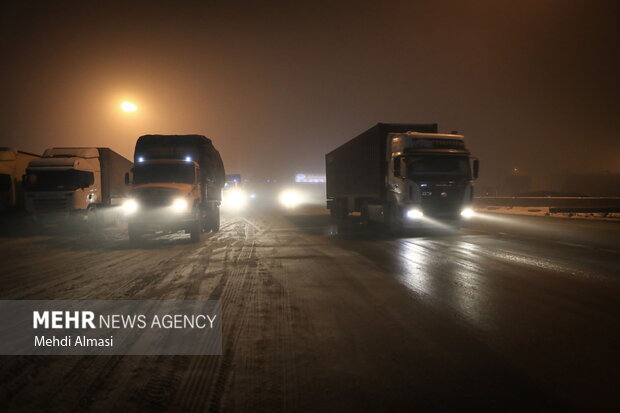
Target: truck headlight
<point>414,214</point>
<point>467,213</point>
<point>179,205</point>
<point>290,199</point>
<point>130,206</point>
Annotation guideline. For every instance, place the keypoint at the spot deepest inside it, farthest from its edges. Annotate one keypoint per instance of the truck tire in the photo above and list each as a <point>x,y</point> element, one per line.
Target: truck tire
<point>333,210</point>
<point>196,227</point>
<point>337,210</point>
<point>135,235</point>
<point>93,220</point>
<point>365,220</point>
<point>214,219</point>
<point>393,220</point>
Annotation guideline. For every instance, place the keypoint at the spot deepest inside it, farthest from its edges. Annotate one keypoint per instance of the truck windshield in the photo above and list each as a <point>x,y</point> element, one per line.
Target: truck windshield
<point>164,172</point>
<point>441,167</point>
<point>58,180</point>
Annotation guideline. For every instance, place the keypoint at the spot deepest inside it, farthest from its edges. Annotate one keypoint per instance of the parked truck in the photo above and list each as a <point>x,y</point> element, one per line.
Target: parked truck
<point>177,186</point>
<point>403,176</point>
<point>82,184</point>
<point>13,163</point>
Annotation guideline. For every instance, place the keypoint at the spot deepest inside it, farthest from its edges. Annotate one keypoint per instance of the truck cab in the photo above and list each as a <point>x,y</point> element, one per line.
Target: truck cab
<point>402,175</point>
<point>64,183</point>
<point>430,176</point>
<point>177,186</point>
<point>77,184</point>
<point>165,195</point>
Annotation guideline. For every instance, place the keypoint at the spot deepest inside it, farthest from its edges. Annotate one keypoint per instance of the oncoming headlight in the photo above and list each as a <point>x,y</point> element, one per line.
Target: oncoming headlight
<point>235,199</point>
<point>414,214</point>
<point>130,206</point>
<point>179,205</point>
<point>290,199</point>
<point>467,213</point>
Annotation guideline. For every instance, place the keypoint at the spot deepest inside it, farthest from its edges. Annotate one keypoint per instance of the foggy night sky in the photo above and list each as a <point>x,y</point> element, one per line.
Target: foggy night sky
<point>276,85</point>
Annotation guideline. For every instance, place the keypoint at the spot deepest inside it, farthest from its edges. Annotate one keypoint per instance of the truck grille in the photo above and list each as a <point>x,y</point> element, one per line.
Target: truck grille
<point>155,202</point>
<point>51,204</point>
<point>441,208</point>
<point>443,200</point>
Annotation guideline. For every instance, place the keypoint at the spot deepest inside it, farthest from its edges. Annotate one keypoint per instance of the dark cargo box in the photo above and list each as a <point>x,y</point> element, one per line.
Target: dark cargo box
<point>358,168</point>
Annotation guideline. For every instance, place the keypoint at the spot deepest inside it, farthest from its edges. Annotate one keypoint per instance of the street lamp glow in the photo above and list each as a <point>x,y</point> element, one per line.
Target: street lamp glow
<point>127,106</point>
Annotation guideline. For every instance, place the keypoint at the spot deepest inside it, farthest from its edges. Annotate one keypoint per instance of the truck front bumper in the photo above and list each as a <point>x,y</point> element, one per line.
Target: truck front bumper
<point>416,217</point>
<point>161,220</point>
<point>429,222</point>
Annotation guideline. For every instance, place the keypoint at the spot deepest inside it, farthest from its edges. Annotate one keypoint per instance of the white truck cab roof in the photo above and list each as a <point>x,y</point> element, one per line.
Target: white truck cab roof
<point>71,152</point>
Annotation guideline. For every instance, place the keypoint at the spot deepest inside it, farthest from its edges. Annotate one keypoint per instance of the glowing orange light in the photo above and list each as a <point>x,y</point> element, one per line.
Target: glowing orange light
<point>127,106</point>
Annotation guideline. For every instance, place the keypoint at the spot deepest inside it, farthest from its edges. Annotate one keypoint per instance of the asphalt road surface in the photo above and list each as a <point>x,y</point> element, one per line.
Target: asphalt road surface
<point>511,313</point>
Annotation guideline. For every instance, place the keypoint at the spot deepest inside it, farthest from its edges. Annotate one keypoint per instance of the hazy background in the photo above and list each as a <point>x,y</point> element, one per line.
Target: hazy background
<point>276,85</point>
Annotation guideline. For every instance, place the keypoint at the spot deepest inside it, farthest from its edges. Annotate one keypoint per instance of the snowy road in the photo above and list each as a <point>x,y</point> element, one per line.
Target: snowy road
<point>513,312</point>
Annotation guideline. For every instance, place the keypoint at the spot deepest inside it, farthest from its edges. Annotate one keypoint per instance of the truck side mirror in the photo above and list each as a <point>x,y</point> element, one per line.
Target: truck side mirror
<point>127,181</point>
<point>476,168</point>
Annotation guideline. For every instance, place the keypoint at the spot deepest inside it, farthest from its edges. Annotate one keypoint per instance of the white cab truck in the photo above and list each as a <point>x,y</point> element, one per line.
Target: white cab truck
<point>403,176</point>
<point>13,164</point>
<point>82,184</point>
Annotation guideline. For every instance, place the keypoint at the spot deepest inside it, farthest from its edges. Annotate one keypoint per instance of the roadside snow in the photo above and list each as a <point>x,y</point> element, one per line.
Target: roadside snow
<point>544,212</point>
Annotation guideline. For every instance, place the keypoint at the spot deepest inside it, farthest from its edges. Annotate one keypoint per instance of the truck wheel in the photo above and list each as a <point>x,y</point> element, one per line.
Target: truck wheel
<point>393,220</point>
<point>194,233</point>
<point>135,235</point>
<point>92,219</point>
<point>364,214</point>
<point>337,211</point>
<point>333,210</point>
<point>214,219</point>
<point>196,227</point>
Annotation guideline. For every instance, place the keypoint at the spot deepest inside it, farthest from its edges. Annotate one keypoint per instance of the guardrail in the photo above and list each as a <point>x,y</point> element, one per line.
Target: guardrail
<point>555,202</point>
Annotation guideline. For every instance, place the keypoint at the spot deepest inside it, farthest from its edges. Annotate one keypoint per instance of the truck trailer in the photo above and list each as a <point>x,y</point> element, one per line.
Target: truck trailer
<point>403,176</point>
<point>13,164</point>
<point>177,186</point>
<point>81,183</point>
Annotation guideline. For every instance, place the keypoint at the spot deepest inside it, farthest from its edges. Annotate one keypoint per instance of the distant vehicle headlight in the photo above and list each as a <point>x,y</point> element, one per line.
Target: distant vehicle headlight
<point>130,206</point>
<point>290,199</point>
<point>467,213</point>
<point>235,199</point>
<point>180,205</point>
<point>414,214</point>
